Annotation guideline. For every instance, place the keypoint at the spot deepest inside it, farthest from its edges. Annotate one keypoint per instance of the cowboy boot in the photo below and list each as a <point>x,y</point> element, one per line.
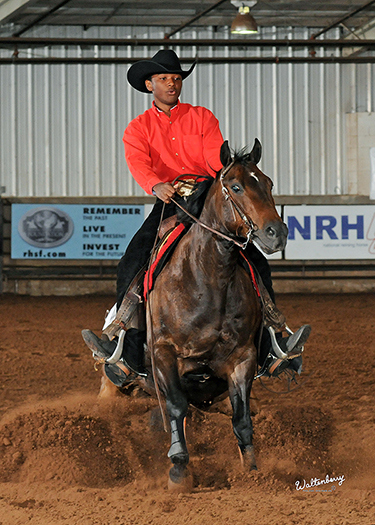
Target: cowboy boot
<point>293,344</point>
<point>131,360</point>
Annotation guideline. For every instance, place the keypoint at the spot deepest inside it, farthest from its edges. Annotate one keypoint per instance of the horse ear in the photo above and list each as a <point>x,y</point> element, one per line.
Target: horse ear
<point>225,156</point>
<point>256,152</point>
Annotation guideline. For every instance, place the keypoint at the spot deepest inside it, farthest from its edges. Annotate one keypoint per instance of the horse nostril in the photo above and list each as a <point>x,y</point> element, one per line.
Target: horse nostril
<point>271,232</point>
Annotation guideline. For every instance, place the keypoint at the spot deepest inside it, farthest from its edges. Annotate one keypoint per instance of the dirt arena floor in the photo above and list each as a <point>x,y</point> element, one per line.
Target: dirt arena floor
<point>68,458</point>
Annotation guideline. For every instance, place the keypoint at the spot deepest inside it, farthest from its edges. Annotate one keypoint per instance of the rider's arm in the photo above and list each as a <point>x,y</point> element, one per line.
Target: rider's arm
<point>137,154</point>
<point>164,191</point>
<point>140,164</point>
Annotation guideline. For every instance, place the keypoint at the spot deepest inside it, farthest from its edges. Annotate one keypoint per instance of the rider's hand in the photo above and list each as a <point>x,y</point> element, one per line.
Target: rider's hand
<point>164,191</point>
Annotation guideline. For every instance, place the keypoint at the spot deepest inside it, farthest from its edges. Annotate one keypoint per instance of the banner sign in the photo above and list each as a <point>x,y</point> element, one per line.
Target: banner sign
<point>74,231</point>
<point>330,232</point>
<point>94,231</point>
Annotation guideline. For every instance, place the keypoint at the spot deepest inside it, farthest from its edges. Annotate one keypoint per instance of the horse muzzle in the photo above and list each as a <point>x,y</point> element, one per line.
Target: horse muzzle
<point>272,238</point>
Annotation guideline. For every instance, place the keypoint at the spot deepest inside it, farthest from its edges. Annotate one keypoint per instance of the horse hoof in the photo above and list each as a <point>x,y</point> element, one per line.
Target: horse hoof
<point>248,459</point>
<point>180,479</point>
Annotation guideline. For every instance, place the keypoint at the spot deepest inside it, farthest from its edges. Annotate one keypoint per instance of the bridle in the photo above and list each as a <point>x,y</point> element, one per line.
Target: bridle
<point>235,207</point>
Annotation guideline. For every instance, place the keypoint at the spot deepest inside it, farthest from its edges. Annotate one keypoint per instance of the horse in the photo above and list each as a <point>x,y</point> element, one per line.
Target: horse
<point>204,312</point>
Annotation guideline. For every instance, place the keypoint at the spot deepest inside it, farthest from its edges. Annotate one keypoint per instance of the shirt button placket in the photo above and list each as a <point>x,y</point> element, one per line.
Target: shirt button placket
<point>174,138</point>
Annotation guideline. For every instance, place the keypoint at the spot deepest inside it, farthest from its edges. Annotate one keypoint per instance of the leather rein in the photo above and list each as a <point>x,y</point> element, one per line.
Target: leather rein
<point>247,221</point>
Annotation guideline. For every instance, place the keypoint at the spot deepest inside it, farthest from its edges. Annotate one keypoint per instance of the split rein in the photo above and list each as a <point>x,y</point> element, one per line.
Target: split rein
<point>252,227</point>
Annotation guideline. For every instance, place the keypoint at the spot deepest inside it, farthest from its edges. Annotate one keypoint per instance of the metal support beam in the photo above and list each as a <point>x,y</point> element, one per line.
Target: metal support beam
<point>18,60</point>
<point>349,15</point>
<point>199,15</point>
<point>9,7</point>
<point>31,42</point>
<point>40,18</point>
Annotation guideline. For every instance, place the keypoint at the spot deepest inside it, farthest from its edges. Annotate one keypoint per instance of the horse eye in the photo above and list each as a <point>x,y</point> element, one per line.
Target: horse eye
<point>236,188</point>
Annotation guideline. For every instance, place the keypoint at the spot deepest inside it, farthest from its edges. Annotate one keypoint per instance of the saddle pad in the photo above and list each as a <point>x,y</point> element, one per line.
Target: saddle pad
<point>164,251</point>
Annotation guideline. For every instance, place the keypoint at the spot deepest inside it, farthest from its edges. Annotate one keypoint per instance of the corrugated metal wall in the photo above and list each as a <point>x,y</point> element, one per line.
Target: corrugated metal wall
<point>61,125</point>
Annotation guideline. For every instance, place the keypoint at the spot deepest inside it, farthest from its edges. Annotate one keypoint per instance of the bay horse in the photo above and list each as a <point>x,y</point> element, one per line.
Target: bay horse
<point>204,312</point>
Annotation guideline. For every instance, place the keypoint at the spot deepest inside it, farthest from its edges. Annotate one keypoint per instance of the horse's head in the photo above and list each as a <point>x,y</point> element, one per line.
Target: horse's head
<point>249,210</point>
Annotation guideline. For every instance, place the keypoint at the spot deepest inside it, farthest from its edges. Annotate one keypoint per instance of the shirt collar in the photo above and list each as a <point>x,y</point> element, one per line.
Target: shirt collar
<point>159,111</point>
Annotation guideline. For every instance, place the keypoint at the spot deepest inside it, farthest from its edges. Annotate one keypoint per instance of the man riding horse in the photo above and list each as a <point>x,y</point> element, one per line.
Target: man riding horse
<point>169,140</point>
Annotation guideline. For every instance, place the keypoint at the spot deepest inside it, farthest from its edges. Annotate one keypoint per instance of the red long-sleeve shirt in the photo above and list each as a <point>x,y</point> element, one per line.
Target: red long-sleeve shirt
<point>159,148</point>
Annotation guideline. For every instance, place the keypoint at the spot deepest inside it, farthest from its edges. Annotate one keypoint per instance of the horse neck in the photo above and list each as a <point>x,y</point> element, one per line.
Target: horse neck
<point>219,252</point>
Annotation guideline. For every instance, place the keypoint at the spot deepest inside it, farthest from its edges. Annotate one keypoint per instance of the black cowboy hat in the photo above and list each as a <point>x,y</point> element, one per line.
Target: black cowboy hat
<point>165,61</point>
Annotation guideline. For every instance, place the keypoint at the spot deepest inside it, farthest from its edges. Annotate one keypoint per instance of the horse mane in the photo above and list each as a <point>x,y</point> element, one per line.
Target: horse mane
<point>241,156</point>
<point>194,203</point>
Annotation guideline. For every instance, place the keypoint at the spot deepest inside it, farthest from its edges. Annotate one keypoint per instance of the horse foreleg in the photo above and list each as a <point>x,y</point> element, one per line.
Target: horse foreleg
<point>239,386</point>
<point>179,475</point>
<point>176,404</point>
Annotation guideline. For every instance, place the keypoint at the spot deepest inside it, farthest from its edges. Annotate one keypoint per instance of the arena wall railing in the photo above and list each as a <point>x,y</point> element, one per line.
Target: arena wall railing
<point>290,275</point>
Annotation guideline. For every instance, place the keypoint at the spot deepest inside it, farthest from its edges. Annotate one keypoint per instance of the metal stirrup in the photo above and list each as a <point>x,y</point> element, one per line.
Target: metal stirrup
<point>275,345</point>
<point>118,350</point>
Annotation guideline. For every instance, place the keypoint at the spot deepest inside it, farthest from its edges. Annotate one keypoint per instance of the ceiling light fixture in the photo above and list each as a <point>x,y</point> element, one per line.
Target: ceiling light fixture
<point>244,23</point>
